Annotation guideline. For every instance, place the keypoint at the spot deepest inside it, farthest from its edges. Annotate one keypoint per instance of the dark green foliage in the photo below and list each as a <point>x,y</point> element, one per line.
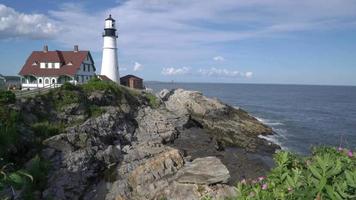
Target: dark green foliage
<point>12,180</point>
<point>38,169</point>
<point>9,134</point>
<point>7,97</point>
<point>68,86</point>
<point>327,174</point>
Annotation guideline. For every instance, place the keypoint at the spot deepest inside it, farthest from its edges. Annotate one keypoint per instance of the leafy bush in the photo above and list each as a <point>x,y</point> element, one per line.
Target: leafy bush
<point>68,86</point>
<point>12,180</point>
<point>327,174</point>
<point>7,97</point>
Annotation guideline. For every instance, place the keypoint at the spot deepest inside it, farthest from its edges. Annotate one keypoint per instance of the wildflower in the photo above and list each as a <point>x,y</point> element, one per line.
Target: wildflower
<point>261,178</point>
<point>290,189</point>
<point>340,149</point>
<point>264,186</point>
<point>350,154</point>
<point>254,181</point>
<point>243,181</point>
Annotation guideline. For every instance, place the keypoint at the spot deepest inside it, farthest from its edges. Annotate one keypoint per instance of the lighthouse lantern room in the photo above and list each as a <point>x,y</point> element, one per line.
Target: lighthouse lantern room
<point>110,66</point>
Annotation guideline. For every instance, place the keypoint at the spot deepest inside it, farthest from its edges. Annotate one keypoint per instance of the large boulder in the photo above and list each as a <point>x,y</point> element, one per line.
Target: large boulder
<point>208,170</point>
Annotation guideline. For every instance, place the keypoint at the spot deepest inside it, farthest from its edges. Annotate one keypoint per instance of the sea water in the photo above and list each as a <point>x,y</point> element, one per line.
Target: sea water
<point>302,116</point>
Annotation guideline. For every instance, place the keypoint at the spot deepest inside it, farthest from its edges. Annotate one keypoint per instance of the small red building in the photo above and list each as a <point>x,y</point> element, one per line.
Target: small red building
<point>132,81</point>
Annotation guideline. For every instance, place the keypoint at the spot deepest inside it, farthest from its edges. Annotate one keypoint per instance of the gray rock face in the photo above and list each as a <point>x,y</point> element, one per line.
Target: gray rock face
<point>232,127</point>
<point>84,152</point>
<point>126,153</point>
<point>208,170</point>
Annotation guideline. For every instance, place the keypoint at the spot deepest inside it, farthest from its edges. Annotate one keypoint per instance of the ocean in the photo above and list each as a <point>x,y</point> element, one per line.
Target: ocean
<point>302,116</point>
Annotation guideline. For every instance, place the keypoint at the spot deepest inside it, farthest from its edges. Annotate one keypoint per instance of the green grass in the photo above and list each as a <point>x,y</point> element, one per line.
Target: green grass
<point>95,111</point>
<point>44,130</point>
<point>153,101</point>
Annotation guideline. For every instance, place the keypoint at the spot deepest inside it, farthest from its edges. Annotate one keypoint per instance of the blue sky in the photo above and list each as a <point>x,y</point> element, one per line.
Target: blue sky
<point>240,41</point>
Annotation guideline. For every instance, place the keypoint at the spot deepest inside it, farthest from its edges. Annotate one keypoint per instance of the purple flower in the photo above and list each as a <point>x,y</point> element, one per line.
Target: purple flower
<point>264,186</point>
<point>350,154</point>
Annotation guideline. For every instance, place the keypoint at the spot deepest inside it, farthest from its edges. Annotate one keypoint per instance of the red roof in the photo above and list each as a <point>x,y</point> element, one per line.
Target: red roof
<point>64,57</point>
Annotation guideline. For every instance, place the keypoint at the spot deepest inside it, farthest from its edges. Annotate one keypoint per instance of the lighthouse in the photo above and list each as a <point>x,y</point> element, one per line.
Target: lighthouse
<point>109,65</point>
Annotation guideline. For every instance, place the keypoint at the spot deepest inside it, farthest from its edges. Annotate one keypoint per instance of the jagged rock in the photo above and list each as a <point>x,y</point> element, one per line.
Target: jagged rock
<point>164,94</point>
<point>231,126</point>
<point>102,98</point>
<point>154,174</point>
<point>157,125</point>
<point>133,151</point>
<point>178,191</point>
<point>208,170</point>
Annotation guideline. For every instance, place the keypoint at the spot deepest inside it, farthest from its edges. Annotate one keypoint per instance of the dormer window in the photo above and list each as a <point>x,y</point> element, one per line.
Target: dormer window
<point>34,63</point>
<point>69,63</point>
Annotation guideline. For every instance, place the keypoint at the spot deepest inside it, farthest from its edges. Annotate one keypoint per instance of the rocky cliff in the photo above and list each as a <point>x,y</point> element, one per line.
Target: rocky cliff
<point>116,143</point>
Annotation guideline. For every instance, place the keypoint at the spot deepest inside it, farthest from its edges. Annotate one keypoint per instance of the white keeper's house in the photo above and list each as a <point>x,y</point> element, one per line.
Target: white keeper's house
<point>53,68</point>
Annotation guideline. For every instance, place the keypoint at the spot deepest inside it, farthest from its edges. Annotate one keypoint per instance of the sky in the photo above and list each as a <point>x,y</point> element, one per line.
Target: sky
<point>231,41</point>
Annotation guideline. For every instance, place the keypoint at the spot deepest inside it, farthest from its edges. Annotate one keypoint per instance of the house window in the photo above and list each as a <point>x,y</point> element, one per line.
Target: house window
<point>83,67</point>
<point>46,81</point>
<point>89,68</point>
<point>53,81</point>
<point>40,80</point>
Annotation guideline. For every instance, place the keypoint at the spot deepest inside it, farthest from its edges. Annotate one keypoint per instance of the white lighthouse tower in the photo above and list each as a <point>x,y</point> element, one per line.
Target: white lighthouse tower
<point>109,65</point>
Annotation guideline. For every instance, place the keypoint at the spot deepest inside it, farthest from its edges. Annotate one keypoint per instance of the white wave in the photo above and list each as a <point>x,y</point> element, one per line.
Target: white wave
<point>269,122</point>
<point>274,140</point>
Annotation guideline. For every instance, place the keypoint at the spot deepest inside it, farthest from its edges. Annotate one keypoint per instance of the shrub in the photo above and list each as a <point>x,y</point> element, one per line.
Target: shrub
<point>7,97</point>
<point>9,135</point>
<point>327,174</point>
<point>68,86</point>
<point>12,180</point>
<point>97,84</point>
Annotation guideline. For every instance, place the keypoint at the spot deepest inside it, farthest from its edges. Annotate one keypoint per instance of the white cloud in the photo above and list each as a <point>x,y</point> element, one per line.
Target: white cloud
<point>177,28</point>
<point>122,69</point>
<point>14,24</point>
<point>248,74</point>
<point>171,71</point>
<point>223,72</point>
<point>219,58</point>
<point>137,67</point>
